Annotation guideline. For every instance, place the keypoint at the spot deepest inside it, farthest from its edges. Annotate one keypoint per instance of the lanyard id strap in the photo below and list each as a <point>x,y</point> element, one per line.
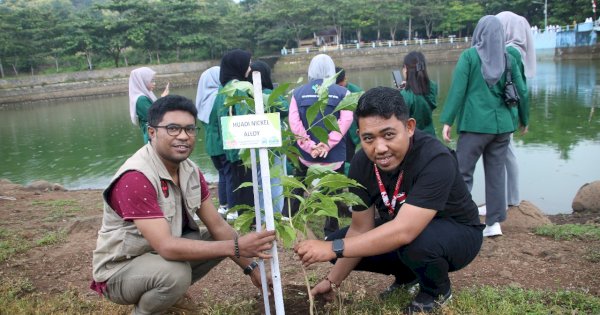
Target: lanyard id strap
<point>384,195</point>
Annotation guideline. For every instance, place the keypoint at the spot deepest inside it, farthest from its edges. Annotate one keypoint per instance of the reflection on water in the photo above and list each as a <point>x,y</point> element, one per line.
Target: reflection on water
<point>81,144</point>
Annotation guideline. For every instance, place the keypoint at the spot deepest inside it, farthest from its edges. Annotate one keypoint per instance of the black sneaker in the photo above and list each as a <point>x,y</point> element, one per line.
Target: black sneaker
<point>425,303</point>
<point>412,288</point>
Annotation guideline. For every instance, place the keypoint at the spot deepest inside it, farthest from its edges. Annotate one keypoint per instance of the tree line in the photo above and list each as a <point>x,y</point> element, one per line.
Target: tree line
<point>70,35</point>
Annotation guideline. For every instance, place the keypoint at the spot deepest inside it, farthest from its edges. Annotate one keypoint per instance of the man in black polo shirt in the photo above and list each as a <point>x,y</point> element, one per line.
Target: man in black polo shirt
<point>428,224</point>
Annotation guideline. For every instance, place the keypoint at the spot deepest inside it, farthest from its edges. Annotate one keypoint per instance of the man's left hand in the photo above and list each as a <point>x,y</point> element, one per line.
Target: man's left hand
<point>257,281</point>
<point>313,251</point>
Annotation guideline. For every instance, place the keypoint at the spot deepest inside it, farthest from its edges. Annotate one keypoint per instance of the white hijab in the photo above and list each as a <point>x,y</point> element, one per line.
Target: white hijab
<point>321,67</point>
<point>208,86</point>
<point>139,80</point>
<point>517,33</point>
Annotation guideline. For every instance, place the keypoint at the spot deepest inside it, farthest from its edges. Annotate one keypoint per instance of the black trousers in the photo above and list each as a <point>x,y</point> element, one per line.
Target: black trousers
<point>243,196</point>
<point>443,246</point>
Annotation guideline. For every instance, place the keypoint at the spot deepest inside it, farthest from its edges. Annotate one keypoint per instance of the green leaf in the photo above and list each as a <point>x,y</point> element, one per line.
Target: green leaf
<point>278,91</point>
<point>331,123</point>
<point>316,172</point>
<point>312,112</point>
<point>287,234</point>
<point>350,199</point>
<point>236,99</point>
<point>336,181</point>
<point>349,102</point>
<point>244,221</point>
<point>231,88</point>
<point>292,183</point>
<point>321,134</point>
<point>323,90</point>
<point>244,185</point>
<point>326,208</point>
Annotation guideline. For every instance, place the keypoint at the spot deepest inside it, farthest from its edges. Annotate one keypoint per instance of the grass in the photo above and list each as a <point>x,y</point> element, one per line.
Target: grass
<point>19,297</point>
<point>59,209</point>
<point>52,237</point>
<point>11,243</point>
<point>570,231</point>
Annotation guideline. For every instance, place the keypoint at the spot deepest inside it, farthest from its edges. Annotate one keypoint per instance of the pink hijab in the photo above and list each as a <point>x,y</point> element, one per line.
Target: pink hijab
<point>139,80</point>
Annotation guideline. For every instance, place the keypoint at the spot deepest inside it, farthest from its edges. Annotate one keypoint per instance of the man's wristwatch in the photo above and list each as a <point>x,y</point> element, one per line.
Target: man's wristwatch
<point>338,247</point>
<point>250,267</point>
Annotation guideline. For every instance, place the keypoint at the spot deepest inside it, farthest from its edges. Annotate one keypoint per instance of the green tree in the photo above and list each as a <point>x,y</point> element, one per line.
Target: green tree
<point>290,19</point>
<point>360,16</point>
<point>391,15</point>
<point>429,12</point>
<point>460,16</point>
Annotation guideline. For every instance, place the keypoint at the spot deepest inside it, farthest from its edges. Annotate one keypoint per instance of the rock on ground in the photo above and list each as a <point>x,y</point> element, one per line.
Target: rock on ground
<point>587,198</point>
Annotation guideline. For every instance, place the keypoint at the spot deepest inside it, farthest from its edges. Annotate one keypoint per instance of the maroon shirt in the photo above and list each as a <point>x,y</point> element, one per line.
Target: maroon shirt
<point>133,197</point>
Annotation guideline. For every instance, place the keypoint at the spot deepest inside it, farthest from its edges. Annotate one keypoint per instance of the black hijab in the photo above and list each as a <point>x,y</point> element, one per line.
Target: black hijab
<point>265,74</point>
<point>234,65</point>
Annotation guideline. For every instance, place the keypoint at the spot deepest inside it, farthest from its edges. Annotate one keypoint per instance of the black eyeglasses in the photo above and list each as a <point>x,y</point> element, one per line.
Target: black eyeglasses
<point>175,130</point>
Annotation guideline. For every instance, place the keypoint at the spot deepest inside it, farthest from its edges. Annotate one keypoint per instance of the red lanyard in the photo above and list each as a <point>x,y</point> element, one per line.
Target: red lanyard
<point>395,196</point>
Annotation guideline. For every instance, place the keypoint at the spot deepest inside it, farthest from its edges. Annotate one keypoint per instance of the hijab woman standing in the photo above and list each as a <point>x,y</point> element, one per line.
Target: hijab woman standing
<point>141,96</point>
<point>332,153</point>
<point>235,66</point>
<point>208,88</point>
<point>484,121</point>
<point>519,43</point>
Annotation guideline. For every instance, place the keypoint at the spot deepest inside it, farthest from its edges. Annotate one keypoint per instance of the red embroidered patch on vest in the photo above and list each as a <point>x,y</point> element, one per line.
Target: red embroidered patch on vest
<point>164,187</point>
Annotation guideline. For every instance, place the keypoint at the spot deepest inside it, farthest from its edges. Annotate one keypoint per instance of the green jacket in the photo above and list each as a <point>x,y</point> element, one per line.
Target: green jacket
<point>477,107</point>
<point>213,140</point>
<point>421,107</point>
<point>142,105</point>
<point>353,88</point>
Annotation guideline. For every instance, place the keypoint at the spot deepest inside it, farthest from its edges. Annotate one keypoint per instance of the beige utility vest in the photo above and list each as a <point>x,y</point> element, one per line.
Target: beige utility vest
<point>119,241</point>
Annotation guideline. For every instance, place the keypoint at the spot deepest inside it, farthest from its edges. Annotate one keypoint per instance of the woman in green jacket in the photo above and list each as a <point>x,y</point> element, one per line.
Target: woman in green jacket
<point>141,96</point>
<point>484,121</point>
<point>419,92</point>
<point>235,66</point>
<point>519,43</point>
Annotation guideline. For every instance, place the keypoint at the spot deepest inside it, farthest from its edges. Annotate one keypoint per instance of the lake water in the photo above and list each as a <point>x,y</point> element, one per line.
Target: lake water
<point>81,144</point>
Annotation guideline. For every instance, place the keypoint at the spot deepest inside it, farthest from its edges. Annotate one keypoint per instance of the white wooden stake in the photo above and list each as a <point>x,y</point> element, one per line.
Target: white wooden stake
<point>261,262</point>
<point>266,187</point>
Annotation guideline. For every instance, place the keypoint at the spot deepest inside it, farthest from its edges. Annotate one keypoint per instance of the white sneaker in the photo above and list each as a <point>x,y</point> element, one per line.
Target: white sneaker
<point>232,216</point>
<point>222,210</point>
<point>482,210</point>
<point>492,230</point>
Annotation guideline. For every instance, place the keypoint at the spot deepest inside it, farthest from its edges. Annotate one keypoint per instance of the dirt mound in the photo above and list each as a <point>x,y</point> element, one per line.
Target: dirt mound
<point>525,216</point>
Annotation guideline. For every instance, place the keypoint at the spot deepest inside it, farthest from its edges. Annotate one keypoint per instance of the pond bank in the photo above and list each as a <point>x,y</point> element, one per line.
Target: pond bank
<point>42,89</point>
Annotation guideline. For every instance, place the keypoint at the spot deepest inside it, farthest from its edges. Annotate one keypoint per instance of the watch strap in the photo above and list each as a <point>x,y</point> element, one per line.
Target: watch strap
<point>338,247</point>
<point>250,267</point>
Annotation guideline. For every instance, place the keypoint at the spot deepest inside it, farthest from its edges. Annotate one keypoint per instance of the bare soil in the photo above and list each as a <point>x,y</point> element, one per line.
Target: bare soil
<point>518,258</point>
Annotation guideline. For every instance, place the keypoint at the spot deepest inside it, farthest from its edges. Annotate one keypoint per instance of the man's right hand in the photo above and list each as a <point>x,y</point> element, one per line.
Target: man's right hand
<point>256,243</point>
<point>324,288</point>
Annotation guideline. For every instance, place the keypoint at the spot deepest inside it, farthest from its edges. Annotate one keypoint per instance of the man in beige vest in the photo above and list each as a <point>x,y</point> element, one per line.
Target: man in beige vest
<point>149,249</point>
